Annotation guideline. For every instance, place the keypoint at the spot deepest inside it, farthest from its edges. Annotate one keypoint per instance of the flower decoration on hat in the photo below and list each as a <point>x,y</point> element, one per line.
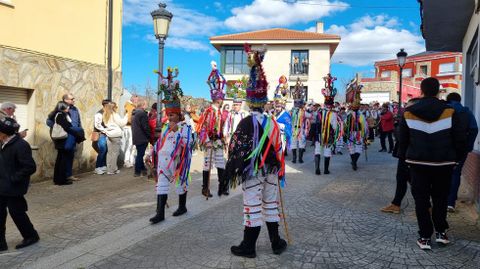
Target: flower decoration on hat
<point>237,90</point>
<point>171,91</point>
<point>280,96</point>
<point>257,85</point>
<point>329,91</point>
<point>216,81</point>
<point>299,94</point>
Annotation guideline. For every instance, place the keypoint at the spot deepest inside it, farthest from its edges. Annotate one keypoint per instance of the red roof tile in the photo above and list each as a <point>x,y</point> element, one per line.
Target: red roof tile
<point>275,34</point>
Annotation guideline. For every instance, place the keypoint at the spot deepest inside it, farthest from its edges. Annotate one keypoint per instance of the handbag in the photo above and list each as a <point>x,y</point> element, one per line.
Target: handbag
<point>57,131</point>
<point>95,136</point>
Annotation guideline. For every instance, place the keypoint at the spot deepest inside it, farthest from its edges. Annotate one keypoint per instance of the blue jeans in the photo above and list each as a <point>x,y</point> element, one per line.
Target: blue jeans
<point>102,151</point>
<point>139,165</point>
<point>456,175</point>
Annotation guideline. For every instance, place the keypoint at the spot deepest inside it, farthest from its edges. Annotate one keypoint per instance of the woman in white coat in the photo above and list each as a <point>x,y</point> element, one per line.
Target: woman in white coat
<point>114,131</point>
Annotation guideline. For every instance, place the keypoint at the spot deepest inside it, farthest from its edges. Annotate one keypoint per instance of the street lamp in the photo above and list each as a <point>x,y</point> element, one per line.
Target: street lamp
<point>401,58</point>
<point>161,23</point>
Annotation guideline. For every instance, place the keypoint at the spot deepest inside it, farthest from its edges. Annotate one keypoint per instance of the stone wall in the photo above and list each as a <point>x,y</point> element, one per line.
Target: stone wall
<point>50,77</point>
<point>471,177</point>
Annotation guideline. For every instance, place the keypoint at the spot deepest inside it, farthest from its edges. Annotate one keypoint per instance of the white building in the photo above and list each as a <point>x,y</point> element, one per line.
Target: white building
<point>295,54</point>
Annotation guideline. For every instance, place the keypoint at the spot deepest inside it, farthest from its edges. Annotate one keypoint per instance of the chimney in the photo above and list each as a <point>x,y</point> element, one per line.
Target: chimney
<point>319,27</point>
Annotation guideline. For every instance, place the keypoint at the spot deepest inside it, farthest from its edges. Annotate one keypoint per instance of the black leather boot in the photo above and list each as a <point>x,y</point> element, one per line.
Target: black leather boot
<point>326,164</point>
<point>161,202</point>
<point>182,205</point>
<point>300,155</point>
<point>353,162</point>
<point>3,241</point>
<point>357,156</point>
<point>221,181</point>
<point>206,185</point>
<point>317,165</point>
<point>278,244</point>
<point>294,153</point>
<point>247,246</point>
<point>225,182</point>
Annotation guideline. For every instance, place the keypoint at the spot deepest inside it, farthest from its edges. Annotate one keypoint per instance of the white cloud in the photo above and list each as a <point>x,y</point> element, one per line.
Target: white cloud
<point>187,25</point>
<point>262,14</point>
<point>311,29</point>
<point>184,44</point>
<point>371,39</point>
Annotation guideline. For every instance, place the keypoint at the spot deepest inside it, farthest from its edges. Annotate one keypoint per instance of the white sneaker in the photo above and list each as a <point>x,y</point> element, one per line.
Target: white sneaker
<point>442,238</point>
<point>424,243</point>
<point>104,168</point>
<point>451,209</point>
<point>99,171</point>
<point>114,173</point>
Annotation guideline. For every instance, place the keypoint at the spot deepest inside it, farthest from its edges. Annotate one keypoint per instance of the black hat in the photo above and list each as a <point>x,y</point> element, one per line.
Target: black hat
<point>8,126</point>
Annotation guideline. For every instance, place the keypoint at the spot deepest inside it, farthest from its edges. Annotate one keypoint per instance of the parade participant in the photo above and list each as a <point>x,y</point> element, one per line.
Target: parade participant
<point>355,127</point>
<point>283,118</point>
<point>256,162</point>
<point>210,134</point>
<point>173,150</point>
<point>330,127</point>
<point>300,122</point>
<point>237,114</point>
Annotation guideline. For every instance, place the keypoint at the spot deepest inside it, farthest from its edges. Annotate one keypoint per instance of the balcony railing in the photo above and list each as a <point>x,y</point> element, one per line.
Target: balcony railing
<point>299,69</point>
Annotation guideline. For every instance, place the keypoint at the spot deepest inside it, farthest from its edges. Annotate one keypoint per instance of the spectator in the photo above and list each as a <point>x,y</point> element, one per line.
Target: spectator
<point>76,123</point>
<point>65,152</point>
<point>386,125</point>
<point>432,140</point>
<point>7,109</point>
<point>454,100</point>
<point>101,145</point>
<point>225,112</point>
<point>114,131</point>
<point>402,176</point>
<point>127,147</point>
<point>152,123</point>
<point>16,167</point>
<point>140,136</point>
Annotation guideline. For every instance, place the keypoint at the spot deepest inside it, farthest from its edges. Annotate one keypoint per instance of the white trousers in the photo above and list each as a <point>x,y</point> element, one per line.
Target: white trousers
<point>339,145</point>
<point>260,200</point>
<point>128,148</point>
<point>299,142</point>
<point>217,156</point>
<point>163,186</point>
<point>355,148</point>
<point>327,150</point>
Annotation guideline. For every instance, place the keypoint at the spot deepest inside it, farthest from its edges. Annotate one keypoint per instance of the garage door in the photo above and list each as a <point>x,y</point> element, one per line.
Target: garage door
<point>369,97</point>
<point>20,98</point>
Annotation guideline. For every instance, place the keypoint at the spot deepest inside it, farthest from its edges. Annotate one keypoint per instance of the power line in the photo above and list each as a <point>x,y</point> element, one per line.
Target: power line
<point>308,2</point>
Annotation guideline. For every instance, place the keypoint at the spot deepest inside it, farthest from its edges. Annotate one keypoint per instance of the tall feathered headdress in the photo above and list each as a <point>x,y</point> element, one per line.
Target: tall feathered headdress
<point>257,85</point>
<point>216,82</point>
<point>329,91</point>
<point>172,92</point>
<point>281,91</point>
<point>299,94</point>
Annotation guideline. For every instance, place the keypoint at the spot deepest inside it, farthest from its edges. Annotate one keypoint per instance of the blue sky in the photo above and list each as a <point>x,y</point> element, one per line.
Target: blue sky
<point>370,30</point>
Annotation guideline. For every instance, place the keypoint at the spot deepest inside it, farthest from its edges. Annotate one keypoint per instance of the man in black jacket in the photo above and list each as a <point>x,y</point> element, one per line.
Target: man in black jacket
<point>432,141</point>
<point>140,136</point>
<point>16,167</point>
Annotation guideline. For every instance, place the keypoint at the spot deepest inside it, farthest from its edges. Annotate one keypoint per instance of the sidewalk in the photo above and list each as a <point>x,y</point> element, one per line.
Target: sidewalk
<point>334,221</point>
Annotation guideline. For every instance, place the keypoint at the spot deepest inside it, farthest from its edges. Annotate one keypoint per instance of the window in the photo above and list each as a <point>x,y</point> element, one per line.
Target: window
<point>423,70</point>
<point>386,74</point>
<point>447,68</point>
<point>235,61</point>
<point>407,72</point>
<point>299,62</point>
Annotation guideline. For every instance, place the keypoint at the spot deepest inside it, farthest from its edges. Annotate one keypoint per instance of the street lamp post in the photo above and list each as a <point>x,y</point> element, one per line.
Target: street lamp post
<point>161,23</point>
<point>401,58</point>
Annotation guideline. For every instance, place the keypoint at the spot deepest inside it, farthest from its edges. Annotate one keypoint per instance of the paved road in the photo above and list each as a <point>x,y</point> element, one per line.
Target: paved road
<point>335,222</point>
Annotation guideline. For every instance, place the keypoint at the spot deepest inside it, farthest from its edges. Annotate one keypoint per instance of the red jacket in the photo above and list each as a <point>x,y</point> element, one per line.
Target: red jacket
<point>386,121</point>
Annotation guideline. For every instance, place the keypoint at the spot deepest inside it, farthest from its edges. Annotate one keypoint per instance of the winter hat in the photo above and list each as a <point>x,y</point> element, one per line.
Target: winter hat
<point>8,126</point>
